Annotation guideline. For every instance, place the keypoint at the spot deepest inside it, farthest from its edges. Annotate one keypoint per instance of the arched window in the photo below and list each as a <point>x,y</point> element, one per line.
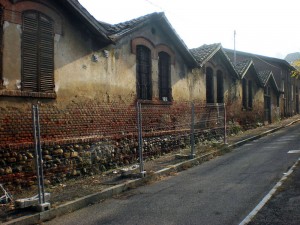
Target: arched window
<point>37,52</point>
<point>244,93</point>
<point>164,65</point>
<point>220,87</point>
<point>209,86</point>
<point>250,94</point>
<point>143,68</point>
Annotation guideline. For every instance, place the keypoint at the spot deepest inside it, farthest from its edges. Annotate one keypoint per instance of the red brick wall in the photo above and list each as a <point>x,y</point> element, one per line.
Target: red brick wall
<point>87,137</point>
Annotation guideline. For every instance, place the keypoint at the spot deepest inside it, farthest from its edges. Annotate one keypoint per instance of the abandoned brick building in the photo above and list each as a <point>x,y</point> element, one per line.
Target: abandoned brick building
<point>87,77</point>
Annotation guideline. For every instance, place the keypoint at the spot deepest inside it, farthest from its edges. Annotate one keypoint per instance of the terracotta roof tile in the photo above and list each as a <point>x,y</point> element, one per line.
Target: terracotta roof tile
<point>127,25</point>
<point>205,51</point>
<point>242,66</point>
<point>264,76</point>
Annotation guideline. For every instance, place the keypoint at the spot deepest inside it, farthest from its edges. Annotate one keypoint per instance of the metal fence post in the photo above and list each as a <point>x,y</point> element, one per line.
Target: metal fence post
<point>38,153</point>
<point>225,125</point>
<point>192,131</point>
<point>140,137</point>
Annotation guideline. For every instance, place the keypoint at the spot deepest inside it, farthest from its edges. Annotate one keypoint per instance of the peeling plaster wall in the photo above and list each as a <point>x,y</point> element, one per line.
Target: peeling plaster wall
<point>11,55</point>
<point>89,80</point>
<point>246,117</point>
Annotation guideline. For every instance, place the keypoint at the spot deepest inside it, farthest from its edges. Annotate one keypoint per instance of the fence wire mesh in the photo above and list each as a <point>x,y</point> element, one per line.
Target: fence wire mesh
<point>87,140</point>
<point>166,128</point>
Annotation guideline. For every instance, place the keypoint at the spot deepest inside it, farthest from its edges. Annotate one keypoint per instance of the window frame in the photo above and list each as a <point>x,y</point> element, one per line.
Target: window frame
<point>144,72</point>
<point>210,92</point>
<point>1,45</point>
<point>220,87</point>
<point>250,94</point>
<point>164,76</point>
<point>244,94</point>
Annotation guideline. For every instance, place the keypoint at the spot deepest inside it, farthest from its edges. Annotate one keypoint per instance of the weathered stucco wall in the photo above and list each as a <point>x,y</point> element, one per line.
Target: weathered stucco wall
<point>252,116</point>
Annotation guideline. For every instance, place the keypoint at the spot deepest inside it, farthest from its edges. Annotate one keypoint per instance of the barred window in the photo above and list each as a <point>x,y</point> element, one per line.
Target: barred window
<point>250,95</point>
<point>220,87</point>
<point>209,86</point>
<point>244,93</point>
<point>164,65</point>
<point>37,53</point>
<point>144,84</point>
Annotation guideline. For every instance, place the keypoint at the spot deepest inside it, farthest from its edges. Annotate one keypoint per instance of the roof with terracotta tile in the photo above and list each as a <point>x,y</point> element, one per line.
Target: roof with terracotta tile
<point>262,63</point>
<point>126,26</point>
<point>265,77</point>
<point>205,52</point>
<point>120,30</point>
<point>243,66</point>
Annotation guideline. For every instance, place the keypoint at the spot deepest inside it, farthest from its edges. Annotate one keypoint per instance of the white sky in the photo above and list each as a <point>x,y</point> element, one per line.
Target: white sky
<point>265,27</point>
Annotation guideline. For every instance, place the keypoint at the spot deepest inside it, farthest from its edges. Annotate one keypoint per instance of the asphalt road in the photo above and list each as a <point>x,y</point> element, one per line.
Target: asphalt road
<point>222,191</point>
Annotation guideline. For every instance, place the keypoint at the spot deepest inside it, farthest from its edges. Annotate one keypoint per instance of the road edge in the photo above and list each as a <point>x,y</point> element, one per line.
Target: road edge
<point>118,189</point>
<point>264,201</point>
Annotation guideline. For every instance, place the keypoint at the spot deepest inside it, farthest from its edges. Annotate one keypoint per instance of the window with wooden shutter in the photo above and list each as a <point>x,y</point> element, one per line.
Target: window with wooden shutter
<point>37,53</point>
<point>144,84</point>
<point>164,65</point>
<point>1,46</point>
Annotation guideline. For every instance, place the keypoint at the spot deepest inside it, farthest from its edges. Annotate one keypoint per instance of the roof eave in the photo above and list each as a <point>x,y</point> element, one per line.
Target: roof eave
<point>230,64</point>
<point>211,55</point>
<point>88,19</point>
<point>190,59</point>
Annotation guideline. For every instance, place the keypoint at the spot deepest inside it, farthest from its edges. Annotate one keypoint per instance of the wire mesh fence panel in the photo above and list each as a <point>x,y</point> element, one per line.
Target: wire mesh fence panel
<point>89,138</point>
<point>166,128</point>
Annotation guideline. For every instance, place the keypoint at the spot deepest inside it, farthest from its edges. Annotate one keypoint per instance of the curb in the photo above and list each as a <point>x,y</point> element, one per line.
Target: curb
<point>118,189</point>
<point>239,143</point>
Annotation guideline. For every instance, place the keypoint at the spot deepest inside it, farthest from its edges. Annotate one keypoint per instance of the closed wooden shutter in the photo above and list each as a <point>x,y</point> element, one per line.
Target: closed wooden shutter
<point>1,46</point>
<point>37,53</point>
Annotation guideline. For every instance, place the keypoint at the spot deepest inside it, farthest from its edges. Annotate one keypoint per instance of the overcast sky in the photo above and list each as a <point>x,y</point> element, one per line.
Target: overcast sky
<point>265,27</point>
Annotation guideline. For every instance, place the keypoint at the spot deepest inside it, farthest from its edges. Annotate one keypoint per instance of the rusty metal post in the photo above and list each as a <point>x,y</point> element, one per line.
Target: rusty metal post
<point>192,131</point>
<point>38,153</point>
<point>140,137</point>
<point>225,125</point>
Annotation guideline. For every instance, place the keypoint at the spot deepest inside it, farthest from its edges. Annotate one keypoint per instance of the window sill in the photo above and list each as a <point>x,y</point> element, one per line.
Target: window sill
<point>247,109</point>
<point>155,102</point>
<point>16,93</point>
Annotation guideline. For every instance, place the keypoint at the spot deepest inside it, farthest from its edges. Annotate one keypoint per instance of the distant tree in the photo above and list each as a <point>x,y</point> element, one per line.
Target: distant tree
<point>296,64</point>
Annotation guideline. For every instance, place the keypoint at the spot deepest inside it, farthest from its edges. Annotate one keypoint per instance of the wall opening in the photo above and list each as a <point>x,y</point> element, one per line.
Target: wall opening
<point>220,87</point>
<point>209,86</point>
<point>164,65</point>
<point>143,66</point>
